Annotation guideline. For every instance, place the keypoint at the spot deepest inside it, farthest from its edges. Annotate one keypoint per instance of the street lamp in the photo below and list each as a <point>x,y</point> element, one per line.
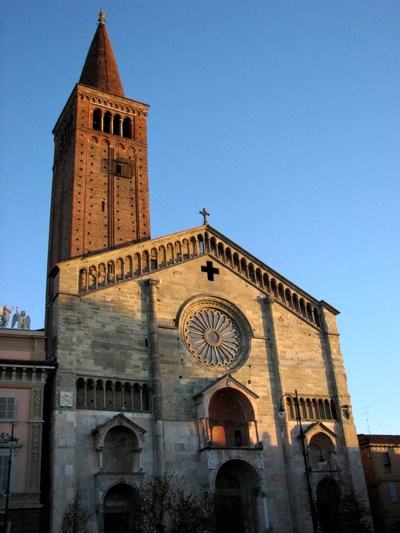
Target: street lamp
<point>322,463</point>
<point>282,414</point>
<point>12,443</point>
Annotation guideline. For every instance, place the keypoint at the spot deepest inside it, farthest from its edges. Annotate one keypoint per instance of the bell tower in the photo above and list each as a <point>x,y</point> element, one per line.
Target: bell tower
<point>100,195</point>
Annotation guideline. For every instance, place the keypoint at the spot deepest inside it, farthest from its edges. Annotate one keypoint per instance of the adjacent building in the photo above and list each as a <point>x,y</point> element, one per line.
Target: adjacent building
<point>24,372</point>
<point>380,455</point>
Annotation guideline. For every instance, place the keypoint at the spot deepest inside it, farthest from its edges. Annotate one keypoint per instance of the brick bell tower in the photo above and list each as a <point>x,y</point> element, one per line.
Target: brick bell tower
<point>100,196</point>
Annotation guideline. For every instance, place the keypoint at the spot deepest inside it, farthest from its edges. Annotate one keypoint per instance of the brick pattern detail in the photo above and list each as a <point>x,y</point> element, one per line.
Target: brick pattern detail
<point>94,207</point>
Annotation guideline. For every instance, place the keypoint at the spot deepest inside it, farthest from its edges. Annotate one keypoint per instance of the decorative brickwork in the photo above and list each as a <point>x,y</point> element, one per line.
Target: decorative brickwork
<point>100,196</point>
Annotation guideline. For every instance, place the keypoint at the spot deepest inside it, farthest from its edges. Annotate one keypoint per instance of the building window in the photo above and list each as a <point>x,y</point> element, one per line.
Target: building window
<point>122,168</point>
<point>238,438</point>
<point>386,462</point>
<point>4,464</point>
<point>8,407</point>
<point>3,472</point>
<point>393,492</point>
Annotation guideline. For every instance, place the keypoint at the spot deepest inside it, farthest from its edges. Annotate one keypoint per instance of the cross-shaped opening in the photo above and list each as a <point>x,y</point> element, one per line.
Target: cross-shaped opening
<point>210,270</point>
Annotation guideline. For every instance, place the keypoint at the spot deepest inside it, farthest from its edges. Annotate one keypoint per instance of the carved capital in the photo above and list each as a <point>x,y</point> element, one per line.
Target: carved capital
<point>153,282</point>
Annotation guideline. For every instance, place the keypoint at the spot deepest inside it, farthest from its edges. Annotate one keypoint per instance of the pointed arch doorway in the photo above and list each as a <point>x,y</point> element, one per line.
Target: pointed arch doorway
<point>237,485</point>
<point>120,510</point>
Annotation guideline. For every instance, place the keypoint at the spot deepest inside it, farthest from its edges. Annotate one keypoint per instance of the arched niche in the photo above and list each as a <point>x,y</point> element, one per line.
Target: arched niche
<point>227,415</point>
<point>119,443</point>
<point>120,448</point>
<point>230,415</point>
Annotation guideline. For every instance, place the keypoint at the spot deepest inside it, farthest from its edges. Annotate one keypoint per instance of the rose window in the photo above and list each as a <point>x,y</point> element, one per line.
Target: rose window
<point>213,337</point>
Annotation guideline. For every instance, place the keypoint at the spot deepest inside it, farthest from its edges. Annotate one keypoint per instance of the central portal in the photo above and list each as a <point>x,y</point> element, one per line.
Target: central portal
<point>237,485</point>
<point>121,510</point>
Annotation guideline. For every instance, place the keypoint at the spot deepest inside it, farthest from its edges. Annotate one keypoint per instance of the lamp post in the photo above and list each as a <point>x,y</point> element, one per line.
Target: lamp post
<point>11,442</point>
<point>282,414</point>
<point>322,463</point>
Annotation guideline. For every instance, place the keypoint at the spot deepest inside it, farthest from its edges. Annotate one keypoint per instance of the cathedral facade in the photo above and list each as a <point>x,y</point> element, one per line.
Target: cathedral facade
<point>182,354</point>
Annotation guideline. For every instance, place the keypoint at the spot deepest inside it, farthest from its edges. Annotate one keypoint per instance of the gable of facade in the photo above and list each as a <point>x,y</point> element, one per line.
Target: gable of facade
<point>198,351</point>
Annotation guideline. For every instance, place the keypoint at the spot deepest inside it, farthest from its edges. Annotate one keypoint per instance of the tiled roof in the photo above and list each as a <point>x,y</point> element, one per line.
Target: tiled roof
<point>100,70</point>
<point>387,440</point>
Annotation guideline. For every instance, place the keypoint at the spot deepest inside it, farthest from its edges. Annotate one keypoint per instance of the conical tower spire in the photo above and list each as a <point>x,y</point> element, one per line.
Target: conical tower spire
<point>100,70</point>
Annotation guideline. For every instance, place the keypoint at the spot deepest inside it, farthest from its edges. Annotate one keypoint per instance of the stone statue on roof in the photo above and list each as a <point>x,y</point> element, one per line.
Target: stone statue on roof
<point>5,316</point>
<point>23,321</point>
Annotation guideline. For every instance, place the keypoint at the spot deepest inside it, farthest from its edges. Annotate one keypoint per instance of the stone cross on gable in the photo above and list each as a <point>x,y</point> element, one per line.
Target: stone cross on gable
<point>205,215</point>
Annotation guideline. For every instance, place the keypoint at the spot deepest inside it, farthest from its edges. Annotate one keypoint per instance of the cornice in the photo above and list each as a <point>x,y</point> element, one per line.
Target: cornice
<point>110,101</point>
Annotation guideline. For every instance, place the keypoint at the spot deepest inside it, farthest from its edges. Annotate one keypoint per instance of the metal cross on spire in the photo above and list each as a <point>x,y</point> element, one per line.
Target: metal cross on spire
<point>205,215</point>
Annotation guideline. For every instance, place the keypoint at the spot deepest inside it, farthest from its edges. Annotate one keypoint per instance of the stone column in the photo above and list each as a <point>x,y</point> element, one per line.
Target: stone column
<point>100,450</point>
<point>348,446</point>
<point>156,390</point>
<point>263,494</point>
<point>273,349</point>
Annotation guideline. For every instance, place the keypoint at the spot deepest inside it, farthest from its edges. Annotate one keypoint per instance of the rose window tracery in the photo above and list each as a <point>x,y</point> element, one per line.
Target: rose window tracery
<point>215,334</point>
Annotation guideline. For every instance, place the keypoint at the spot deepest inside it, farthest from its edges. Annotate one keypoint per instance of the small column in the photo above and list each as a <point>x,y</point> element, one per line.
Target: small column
<point>100,450</point>
<point>156,389</point>
<point>207,428</point>
<point>263,494</point>
<point>123,396</point>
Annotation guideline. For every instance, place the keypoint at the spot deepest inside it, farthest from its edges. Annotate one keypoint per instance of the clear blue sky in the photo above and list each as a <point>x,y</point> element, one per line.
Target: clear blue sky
<point>282,118</point>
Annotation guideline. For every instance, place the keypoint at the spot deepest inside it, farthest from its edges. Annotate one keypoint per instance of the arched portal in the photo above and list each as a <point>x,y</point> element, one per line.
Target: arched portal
<point>231,417</point>
<point>121,510</point>
<point>328,495</point>
<point>236,485</point>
